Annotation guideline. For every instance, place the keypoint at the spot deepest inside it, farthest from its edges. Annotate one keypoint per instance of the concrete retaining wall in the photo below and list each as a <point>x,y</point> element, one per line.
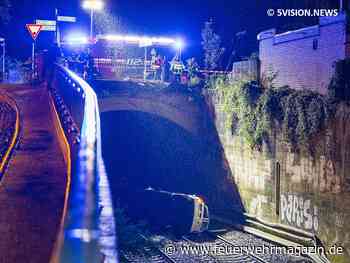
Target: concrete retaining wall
<point>301,191</point>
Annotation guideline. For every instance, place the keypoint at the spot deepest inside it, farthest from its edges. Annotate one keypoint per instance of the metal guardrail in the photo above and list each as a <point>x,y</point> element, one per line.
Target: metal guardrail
<point>88,231</point>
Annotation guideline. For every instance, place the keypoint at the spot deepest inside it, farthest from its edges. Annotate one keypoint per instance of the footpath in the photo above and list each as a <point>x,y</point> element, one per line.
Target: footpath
<point>33,187</point>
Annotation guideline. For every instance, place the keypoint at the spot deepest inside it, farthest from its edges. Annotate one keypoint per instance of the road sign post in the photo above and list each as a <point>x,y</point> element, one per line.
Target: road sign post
<point>59,18</point>
<point>33,60</point>
<point>34,31</point>
<point>57,33</point>
<point>3,59</point>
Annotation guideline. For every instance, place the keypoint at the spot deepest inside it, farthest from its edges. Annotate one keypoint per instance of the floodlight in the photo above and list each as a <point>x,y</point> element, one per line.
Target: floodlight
<point>93,5</point>
<point>179,44</point>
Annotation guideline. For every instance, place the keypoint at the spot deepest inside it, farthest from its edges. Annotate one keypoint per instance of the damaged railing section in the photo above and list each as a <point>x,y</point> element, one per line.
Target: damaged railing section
<point>88,232</point>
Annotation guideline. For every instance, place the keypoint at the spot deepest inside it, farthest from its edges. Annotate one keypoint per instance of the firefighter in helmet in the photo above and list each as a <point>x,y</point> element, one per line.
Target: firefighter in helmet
<point>177,68</point>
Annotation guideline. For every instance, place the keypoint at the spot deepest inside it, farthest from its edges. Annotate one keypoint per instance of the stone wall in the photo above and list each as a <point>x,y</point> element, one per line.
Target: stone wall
<point>310,193</point>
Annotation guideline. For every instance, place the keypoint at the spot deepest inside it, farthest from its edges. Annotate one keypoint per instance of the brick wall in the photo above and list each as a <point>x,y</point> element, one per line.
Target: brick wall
<point>304,58</point>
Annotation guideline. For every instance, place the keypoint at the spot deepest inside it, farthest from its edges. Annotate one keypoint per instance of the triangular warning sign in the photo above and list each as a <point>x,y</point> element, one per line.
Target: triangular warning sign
<point>34,30</point>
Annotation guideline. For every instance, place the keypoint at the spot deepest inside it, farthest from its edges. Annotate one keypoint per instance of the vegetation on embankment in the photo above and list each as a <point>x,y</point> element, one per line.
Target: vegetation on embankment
<point>257,111</point>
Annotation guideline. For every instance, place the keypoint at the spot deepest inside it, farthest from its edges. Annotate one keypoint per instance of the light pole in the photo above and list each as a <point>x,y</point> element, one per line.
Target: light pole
<point>179,45</point>
<point>92,5</point>
<point>2,41</point>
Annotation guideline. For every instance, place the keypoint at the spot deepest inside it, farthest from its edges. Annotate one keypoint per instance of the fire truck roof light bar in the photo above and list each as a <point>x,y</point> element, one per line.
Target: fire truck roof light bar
<point>141,40</point>
<point>77,40</point>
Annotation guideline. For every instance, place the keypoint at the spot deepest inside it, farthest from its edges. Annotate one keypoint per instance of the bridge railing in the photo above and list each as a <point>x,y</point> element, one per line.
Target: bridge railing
<point>87,231</point>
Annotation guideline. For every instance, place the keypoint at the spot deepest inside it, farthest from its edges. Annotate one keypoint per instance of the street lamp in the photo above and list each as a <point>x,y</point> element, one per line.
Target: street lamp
<point>179,45</point>
<point>92,5</point>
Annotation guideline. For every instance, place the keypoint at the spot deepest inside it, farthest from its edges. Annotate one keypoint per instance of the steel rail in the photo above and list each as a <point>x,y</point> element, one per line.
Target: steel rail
<point>169,259</point>
<point>242,229</point>
<point>255,257</point>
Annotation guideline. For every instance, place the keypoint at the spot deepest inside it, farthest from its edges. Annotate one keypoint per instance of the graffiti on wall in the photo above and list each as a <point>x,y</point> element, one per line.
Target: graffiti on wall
<point>299,212</point>
<point>256,205</point>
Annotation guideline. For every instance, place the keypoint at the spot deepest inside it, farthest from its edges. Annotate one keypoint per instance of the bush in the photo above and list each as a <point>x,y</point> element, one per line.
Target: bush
<point>254,112</point>
<point>339,87</point>
<point>17,72</point>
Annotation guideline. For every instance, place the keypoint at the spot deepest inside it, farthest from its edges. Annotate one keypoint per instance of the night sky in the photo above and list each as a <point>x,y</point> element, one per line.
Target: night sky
<point>163,17</point>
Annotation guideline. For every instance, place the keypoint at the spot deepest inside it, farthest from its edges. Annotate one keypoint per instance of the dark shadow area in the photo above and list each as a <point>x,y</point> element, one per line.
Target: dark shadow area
<point>142,150</point>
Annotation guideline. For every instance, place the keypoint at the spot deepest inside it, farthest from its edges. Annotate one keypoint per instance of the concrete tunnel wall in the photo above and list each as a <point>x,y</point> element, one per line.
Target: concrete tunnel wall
<point>188,112</point>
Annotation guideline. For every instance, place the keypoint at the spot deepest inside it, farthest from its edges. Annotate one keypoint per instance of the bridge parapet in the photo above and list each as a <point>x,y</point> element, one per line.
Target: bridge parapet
<point>88,208</point>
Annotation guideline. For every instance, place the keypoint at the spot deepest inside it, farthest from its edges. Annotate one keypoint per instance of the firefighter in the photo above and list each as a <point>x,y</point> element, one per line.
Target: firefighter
<point>158,67</point>
<point>89,65</point>
<point>155,64</point>
<point>177,68</point>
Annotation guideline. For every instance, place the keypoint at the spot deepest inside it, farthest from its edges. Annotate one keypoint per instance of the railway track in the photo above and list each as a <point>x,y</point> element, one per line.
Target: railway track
<point>148,253</point>
<point>223,249</point>
<point>213,246</point>
<point>272,252</point>
<point>189,250</point>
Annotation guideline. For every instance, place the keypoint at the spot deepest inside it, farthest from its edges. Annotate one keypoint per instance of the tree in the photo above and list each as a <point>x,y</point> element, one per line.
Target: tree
<point>211,43</point>
<point>5,11</point>
<point>106,23</point>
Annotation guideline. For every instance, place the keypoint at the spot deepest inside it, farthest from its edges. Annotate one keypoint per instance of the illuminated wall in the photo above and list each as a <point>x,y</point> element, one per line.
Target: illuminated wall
<point>314,191</point>
<point>304,58</point>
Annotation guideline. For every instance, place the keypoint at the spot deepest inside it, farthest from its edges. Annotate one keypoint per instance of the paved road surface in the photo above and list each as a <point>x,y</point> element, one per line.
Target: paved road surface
<point>32,190</point>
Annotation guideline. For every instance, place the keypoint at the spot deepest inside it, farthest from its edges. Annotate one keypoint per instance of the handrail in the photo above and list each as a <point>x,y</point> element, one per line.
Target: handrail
<point>88,233</point>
